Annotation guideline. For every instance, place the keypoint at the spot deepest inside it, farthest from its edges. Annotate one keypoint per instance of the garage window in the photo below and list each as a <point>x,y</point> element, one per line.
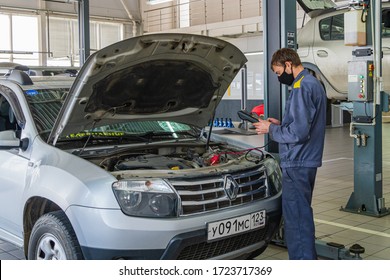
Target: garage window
<point>64,39</point>
<point>332,28</point>
<point>19,39</point>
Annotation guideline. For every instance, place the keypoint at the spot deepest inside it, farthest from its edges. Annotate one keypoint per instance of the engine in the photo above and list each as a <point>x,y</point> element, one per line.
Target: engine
<point>169,158</point>
<point>149,161</point>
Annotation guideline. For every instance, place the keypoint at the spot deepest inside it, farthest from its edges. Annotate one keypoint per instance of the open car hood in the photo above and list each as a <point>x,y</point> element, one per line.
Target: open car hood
<point>170,77</point>
<point>313,7</point>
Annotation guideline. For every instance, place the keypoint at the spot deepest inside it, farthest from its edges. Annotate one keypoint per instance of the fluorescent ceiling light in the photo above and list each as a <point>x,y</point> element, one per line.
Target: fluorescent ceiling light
<point>254,53</point>
<point>154,2</point>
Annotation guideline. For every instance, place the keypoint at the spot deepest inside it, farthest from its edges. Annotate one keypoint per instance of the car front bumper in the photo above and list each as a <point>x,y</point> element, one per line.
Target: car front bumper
<point>109,234</point>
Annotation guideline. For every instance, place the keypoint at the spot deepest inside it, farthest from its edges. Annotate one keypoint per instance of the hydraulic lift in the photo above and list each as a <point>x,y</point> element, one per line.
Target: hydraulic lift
<point>368,102</point>
<point>366,127</point>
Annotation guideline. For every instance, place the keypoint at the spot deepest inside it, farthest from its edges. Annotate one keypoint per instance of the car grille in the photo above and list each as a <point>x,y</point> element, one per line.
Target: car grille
<point>206,250</point>
<point>208,194</point>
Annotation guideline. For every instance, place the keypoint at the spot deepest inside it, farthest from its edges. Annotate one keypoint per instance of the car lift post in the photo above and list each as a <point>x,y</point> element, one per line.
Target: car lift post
<point>279,19</point>
<point>364,90</point>
<point>84,30</point>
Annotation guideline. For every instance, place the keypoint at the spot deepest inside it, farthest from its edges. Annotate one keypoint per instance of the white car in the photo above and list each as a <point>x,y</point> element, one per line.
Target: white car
<point>7,67</point>
<point>322,50</point>
<point>116,164</point>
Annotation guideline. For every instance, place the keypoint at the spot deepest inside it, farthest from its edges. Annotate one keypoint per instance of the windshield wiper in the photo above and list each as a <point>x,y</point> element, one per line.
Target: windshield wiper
<point>173,134</point>
<point>120,136</point>
<point>96,137</point>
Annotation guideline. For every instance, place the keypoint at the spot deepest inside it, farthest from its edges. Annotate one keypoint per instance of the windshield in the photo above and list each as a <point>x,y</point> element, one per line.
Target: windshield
<point>45,105</point>
<point>144,130</point>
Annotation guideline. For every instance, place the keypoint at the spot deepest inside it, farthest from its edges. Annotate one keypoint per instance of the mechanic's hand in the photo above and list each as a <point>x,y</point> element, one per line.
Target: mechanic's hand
<point>262,127</point>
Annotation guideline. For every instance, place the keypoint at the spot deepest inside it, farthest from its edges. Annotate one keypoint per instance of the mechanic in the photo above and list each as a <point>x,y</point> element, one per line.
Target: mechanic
<point>301,142</point>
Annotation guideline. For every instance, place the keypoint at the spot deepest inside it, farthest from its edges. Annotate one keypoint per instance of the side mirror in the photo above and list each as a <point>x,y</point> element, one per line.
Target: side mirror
<point>8,140</point>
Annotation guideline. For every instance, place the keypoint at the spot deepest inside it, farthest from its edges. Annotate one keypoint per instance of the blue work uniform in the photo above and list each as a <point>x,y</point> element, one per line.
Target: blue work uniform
<point>301,143</point>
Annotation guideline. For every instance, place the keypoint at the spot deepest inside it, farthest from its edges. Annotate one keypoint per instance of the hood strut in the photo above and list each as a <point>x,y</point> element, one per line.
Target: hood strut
<point>210,130</point>
<point>212,122</point>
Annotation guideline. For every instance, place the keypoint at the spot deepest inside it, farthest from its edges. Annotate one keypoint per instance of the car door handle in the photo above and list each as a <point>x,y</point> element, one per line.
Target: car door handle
<point>386,50</point>
<point>322,53</point>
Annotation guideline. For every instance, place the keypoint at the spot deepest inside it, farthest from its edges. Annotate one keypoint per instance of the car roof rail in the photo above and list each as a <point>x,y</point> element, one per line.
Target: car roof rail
<point>20,77</point>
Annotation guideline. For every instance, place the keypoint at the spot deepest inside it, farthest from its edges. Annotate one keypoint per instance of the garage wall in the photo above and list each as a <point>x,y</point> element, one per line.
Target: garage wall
<point>207,17</point>
<point>102,8</point>
<point>54,40</point>
<point>211,11</point>
<point>231,15</point>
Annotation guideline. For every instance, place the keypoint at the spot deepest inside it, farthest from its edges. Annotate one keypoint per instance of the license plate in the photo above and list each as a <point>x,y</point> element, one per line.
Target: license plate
<point>228,227</point>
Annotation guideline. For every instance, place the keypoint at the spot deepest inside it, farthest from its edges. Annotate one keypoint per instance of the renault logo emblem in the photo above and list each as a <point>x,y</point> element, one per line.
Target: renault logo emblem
<point>231,187</point>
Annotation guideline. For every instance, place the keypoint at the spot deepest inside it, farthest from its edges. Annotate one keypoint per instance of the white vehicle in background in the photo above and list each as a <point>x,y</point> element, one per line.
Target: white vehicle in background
<point>322,50</point>
<point>7,67</point>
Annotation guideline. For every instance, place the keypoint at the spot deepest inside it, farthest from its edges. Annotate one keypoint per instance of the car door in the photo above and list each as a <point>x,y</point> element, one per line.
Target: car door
<point>13,168</point>
<point>330,54</point>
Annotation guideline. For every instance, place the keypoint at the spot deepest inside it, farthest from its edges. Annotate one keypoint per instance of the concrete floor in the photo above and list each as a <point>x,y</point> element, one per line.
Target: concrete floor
<point>334,186</point>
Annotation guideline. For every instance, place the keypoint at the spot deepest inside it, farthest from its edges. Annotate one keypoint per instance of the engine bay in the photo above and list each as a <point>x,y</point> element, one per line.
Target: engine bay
<point>174,157</point>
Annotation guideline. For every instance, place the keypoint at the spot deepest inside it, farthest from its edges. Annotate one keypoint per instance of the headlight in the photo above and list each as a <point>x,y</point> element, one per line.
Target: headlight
<point>274,175</point>
<point>146,198</point>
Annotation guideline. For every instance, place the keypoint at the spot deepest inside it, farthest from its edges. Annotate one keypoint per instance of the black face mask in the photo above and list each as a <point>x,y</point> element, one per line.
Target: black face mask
<point>285,78</point>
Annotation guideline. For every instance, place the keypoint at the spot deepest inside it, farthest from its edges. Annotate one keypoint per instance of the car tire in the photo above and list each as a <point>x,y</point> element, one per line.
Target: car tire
<point>53,238</point>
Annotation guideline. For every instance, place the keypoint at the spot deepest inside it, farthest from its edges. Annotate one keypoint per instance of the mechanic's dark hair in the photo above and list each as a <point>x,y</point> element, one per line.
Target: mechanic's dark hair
<point>282,55</point>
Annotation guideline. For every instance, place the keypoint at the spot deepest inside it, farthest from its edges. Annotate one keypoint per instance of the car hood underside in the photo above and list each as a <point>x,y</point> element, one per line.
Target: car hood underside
<point>169,77</point>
